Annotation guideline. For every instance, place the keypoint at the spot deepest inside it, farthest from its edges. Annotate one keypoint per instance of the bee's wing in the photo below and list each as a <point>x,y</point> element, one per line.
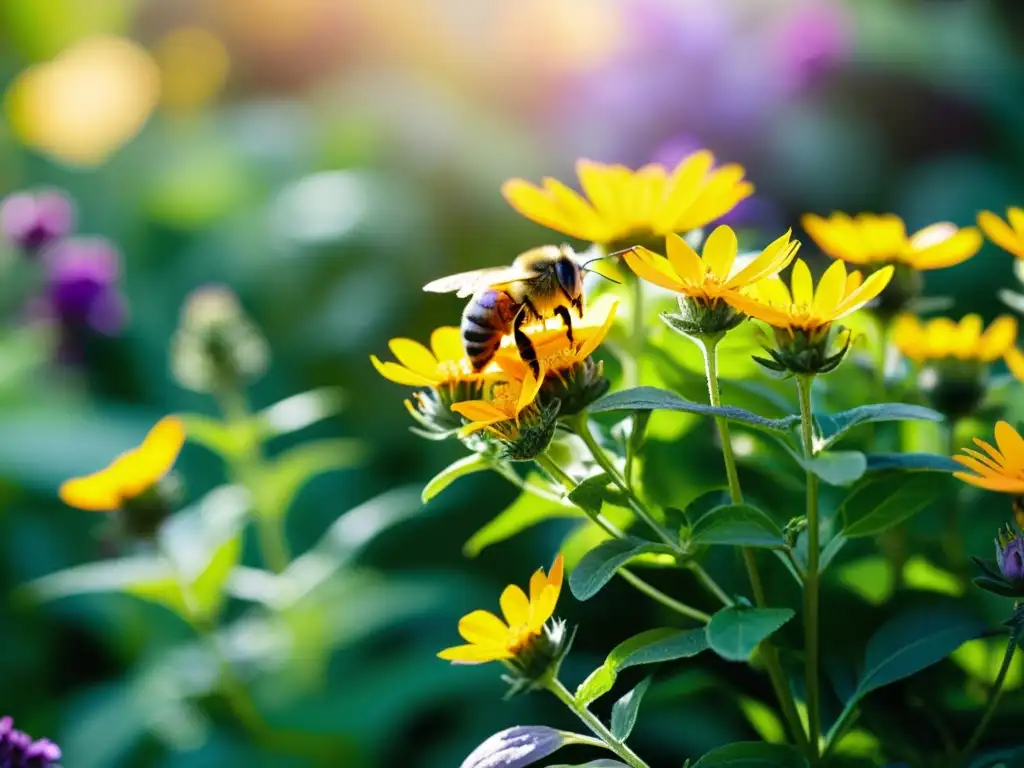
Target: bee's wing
<point>468,283</point>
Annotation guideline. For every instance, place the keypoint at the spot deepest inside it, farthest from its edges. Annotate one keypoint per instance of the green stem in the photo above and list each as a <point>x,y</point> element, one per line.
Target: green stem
<point>247,467</point>
<point>709,346</point>
<point>813,575</point>
<point>711,585</point>
<point>581,426</point>
<point>993,701</point>
<point>550,466</point>
<point>596,727</point>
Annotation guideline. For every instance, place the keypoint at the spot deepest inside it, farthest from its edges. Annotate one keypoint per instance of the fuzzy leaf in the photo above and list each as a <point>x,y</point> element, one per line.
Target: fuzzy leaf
<point>626,709</point>
<point>650,647</point>
<point>734,633</point>
<point>599,565</point>
<point>467,465</point>
<point>737,525</point>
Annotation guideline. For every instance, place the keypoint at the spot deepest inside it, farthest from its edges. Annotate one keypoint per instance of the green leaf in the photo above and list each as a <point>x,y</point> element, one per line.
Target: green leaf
<point>212,434</point>
<point>734,633</point>
<point>650,647</point>
<point>467,465</point>
<point>626,709</point>
<point>752,754</point>
<point>527,510</point>
<point>654,399</point>
<point>599,565</point>
<point>738,525</point>
<point>835,467</point>
<point>912,461</point>
<point>288,473</point>
<point>596,491</point>
<point>300,411</point>
<point>208,588</point>
<point>833,427</point>
<point>881,502</point>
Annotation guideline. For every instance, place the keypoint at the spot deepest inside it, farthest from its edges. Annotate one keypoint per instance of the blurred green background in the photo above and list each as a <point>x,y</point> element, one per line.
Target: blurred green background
<point>327,158</point>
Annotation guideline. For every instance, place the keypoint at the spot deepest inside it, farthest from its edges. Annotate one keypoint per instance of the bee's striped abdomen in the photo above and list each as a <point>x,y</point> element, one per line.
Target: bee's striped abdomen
<point>486,319</point>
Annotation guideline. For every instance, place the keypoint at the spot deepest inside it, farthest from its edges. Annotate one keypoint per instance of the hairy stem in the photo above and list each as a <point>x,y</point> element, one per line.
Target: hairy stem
<point>596,727</point>
<point>812,577</point>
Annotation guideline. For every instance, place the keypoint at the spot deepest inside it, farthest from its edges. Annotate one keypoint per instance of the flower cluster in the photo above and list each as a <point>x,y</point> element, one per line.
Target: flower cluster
<point>19,750</point>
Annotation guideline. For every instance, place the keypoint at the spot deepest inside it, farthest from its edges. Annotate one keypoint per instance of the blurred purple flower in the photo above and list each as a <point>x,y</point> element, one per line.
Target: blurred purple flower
<point>18,750</point>
<point>82,285</point>
<point>810,41</point>
<point>33,220</point>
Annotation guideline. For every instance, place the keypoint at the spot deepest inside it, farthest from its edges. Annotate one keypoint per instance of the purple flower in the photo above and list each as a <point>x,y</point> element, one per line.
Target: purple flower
<point>810,41</point>
<point>82,285</point>
<point>514,747</point>
<point>1010,556</point>
<point>33,220</point>
<point>18,750</point>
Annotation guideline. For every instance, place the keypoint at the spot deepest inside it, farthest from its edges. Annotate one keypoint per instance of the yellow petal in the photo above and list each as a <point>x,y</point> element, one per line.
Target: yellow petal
<point>1016,218</point>
<point>446,343</point>
<point>941,337</point>
<point>538,583</point>
<point>595,338</point>
<point>830,290</point>
<point>400,375</point>
<point>1011,445</point>
<point>1000,233</point>
<point>998,339</point>
<point>557,574</point>
<point>538,206</point>
<point>483,628</point>
<point>967,338</point>
<point>474,654</point>
<point>1015,362</point>
<point>531,388</point>
<point>998,484</point>
<point>836,236</point>
<point>995,455</point>
<point>871,287</point>
<point>516,606</point>
<point>723,190</point>
<point>947,247</point>
<point>97,492</point>
<point>803,285</point>
<point>909,337</point>
<point>682,189</point>
<point>645,265</point>
<point>719,252</point>
<point>141,468</point>
<point>598,185</point>
<point>573,207</point>
<point>479,410</point>
<point>414,356</point>
<point>884,236</point>
<point>684,260</point>
<point>748,306</point>
<point>776,257</point>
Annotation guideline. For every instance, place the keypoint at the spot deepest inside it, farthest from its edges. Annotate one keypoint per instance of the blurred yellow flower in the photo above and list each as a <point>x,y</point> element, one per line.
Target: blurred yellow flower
<point>618,204</point>
<point>999,469</point>
<point>194,67</point>
<point>1009,234</point>
<point>505,401</point>
<point>445,362</point>
<point>868,239</point>
<point>964,340</point>
<point>712,275</point>
<point>805,308</point>
<point>491,639</point>
<point>81,107</point>
<point>131,474</point>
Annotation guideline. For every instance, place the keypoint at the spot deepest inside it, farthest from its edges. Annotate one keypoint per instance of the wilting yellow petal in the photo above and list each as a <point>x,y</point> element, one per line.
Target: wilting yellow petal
<point>1000,233</point>
<point>414,356</point>
<point>399,374</point>
<point>483,628</point>
<point>719,252</point>
<point>474,654</point>
<point>516,606</point>
<point>684,260</point>
<point>998,339</point>
<point>446,343</point>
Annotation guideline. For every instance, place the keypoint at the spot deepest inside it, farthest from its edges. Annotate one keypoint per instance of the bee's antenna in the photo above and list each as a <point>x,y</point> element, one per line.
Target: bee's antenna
<point>606,256</point>
<point>595,272</point>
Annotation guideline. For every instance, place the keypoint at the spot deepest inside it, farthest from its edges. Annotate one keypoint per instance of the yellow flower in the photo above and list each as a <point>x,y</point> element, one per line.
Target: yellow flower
<point>507,399</point>
<point>618,203</point>
<point>943,338</point>
<point>999,470</point>
<point>805,308</point>
<point>872,239</point>
<point>1008,235</point>
<point>712,275</point>
<point>491,639</point>
<point>444,363</point>
<point>131,474</point>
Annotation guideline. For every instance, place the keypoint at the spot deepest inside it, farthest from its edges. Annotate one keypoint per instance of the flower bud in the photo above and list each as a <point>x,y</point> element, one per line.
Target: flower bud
<point>432,408</point>
<point>529,438</point>
<point>216,346</point>
<point>807,352</point>
<point>33,220</point>
<point>1010,555</point>
<point>540,658</point>
<point>700,317</point>
<point>576,387</point>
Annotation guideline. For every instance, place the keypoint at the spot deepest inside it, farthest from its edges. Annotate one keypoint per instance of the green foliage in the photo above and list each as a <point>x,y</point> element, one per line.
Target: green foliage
<point>734,633</point>
<point>626,709</point>
<point>752,755</point>
<point>527,510</point>
<point>738,525</point>
<point>467,465</point>
<point>884,501</point>
<point>600,564</point>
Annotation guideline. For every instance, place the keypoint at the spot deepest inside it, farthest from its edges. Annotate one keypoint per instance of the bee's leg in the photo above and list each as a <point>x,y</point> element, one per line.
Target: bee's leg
<point>527,352</point>
<point>563,312</point>
<point>579,306</point>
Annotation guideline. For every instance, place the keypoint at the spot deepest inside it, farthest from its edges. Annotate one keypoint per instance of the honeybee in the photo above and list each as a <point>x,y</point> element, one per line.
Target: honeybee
<point>541,283</point>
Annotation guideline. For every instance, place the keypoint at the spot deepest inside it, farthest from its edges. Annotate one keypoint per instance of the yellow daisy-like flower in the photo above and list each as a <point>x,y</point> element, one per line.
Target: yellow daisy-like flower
<point>1001,469</point>
<point>713,274</point>
<point>838,294</point>
<point>507,399</point>
<point>131,474</point>
<point>966,340</point>
<point>491,639</point>
<point>618,203</point>
<point>1009,234</point>
<point>868,239</point>
<point>445,362</point>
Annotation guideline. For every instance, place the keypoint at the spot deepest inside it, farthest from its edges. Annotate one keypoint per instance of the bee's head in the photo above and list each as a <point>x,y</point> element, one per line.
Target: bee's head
<point>567,272</point>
